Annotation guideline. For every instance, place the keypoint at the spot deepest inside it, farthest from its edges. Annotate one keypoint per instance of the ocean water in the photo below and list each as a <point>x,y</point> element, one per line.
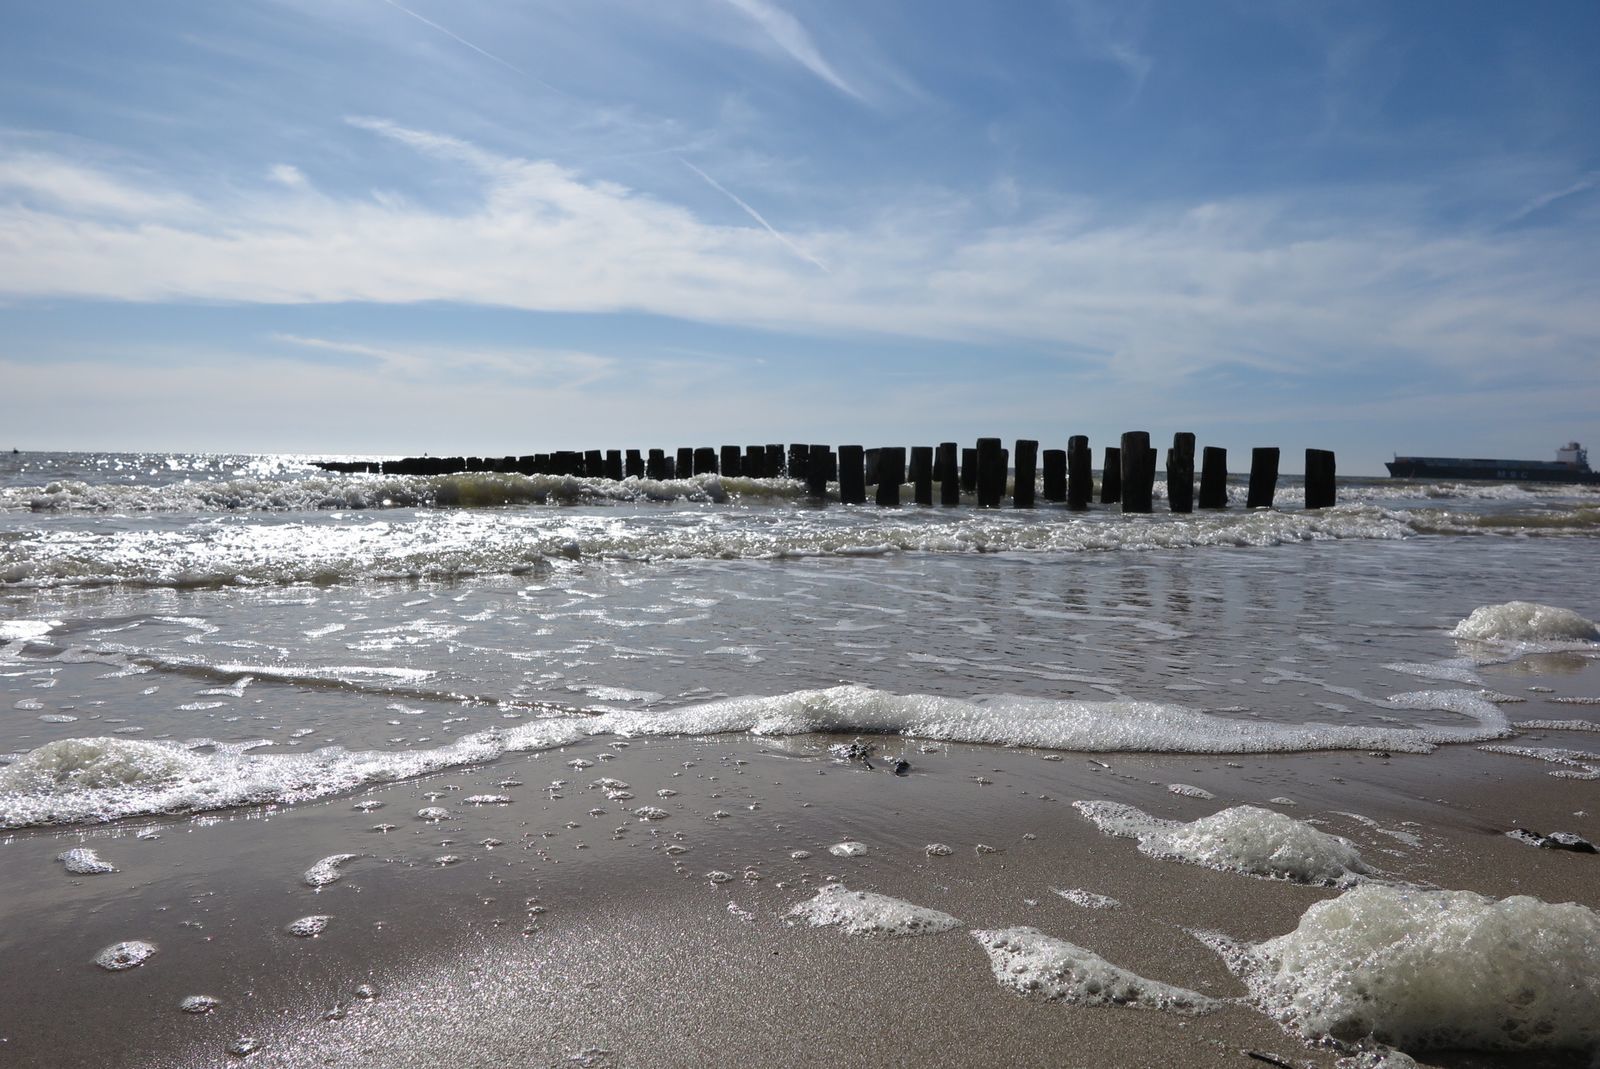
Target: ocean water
<point>192,634</point>
<point>254,629</point>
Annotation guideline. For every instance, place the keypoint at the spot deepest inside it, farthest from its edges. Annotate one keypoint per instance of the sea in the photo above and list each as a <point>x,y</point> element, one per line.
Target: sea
<point>184,636</point>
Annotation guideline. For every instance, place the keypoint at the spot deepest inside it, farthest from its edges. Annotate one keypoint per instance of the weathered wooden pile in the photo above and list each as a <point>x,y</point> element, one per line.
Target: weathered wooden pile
<point>1127,473</point>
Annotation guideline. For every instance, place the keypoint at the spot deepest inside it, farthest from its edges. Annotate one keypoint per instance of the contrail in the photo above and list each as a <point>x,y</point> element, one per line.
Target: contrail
<point>481,51</point>
<point>797,250</point>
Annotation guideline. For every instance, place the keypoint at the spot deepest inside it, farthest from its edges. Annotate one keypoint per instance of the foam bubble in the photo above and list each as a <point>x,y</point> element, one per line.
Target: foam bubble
<point>848,848</point>
<point>1246,838</point>
<point>1034,963</point>
<point>1425,969</point>
<point>26,630</point>
<point>83,861</point>
<point>327,871</point>
<point>1087,899</point>
<point>1529,622</point>
<point>128,955</point>
<point>199,1004</point>
<point>866,913</point>
<point>309,927</point>
<point>1189,792</point>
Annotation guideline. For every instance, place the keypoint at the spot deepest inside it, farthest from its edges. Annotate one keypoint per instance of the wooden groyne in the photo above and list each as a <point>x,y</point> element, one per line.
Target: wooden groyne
<point>1127,473</point>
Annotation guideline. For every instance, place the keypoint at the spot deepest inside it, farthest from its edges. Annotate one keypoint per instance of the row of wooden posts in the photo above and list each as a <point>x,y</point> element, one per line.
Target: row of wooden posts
<point>1127,474</point>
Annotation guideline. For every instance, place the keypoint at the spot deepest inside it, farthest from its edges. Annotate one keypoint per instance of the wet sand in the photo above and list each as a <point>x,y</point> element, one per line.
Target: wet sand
<point>588,936</point>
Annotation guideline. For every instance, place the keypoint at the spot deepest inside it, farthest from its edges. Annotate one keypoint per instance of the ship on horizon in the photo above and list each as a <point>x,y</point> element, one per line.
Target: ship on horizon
<point>1570,466</point>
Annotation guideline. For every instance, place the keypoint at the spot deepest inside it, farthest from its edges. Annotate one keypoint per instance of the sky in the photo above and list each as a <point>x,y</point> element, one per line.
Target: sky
<point>509,226</point>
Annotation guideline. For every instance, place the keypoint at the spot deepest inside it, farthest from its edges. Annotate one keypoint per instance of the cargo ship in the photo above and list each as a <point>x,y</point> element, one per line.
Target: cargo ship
<point>1571,465</point>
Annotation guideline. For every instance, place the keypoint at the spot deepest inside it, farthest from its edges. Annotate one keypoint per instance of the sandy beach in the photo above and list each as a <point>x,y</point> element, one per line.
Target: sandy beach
<point>585,935</point>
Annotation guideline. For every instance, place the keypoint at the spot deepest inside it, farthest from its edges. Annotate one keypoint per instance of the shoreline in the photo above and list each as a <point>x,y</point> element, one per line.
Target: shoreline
<point>632,950</point>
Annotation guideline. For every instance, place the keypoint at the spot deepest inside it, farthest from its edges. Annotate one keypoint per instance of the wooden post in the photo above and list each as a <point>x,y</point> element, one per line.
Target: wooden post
<point>755,461</point>
<point>852,475</point>
<point>594,464</point>
<point>705,460</point>
<point>798,456</point>
<point>1027,465</point>
<point>730,461</point>
<point>969,470</point>
<point>1111,476</point>
<point>774,461</point>
<point>891,473</point>
<point>614,465</point>
<point>1055,474</point>
<point>873,457</point>
<point>1137,471</point>
<point>634,466</point>
<point>922,473</point>
<point>1263,477</point>
<point>991,473</point>
<point>948,472</point>
<point>655,465</point>
<point>817,470</point>
<point>1214,478</point>
<point>1319,479</point>
<point>1080,472</point>
<point>1180,473</point>
<point>832,460</point>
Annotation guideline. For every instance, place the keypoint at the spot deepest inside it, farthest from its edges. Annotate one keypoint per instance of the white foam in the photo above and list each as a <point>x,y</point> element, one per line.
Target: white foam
<point>308,927</point>
<point>1087,899</point>
<point>1188,791</point>
<point>1424,969</point>
<point>127,955</point>
<point>1246,838</point>
<point>100,778</point>
<point>1528,622</point>
<point>327,871</point>
<point>1034,963</point>
<point>848,848</point>
<point>865,913</point>
<point>26,630</point>
<point>83,861</point>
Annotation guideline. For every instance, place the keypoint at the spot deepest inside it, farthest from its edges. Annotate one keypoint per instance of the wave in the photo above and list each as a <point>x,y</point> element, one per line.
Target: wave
<point>447,545</point>
<point>88,780</point>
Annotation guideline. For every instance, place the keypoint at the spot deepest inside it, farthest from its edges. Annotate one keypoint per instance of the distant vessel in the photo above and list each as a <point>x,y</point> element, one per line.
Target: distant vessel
<point>1571,465</point>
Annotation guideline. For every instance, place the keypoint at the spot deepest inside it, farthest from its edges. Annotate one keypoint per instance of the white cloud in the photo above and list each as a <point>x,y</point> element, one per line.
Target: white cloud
<point>1290,285</point>
<point>788,34</point>
<point>286,174</point>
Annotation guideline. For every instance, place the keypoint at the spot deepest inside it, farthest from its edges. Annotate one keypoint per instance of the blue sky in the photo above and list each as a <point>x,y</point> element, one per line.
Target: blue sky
<point>508,226</point>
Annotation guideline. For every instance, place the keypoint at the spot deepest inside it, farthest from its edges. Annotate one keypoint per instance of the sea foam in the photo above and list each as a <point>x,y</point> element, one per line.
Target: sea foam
<point>1427,969</point>
<point>107,778</point>
<point>1034,963</point>
<point>1527,622</point>
<point>1247,839</point>
<point>865,913</point>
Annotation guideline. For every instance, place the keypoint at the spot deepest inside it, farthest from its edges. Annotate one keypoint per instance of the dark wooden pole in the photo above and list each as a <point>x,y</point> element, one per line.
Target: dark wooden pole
<point>817,470</point>
<point>1263,477</point>
<point>1055,474</point>
<point>852,475</point>
<point>730,460</point>
<point>1180,473</point>
<point>1080,472</point>
<point>891,473</point>
<point>872,457</point>
<point>991,473</point>
<point>755,461</point>
<point>969,470</point>
<point>949,474</point>
<point>1111,476</point>
<point>594,464</point>
<point>774,461</point>
<point>1319,479</point>
<point>921,474</point>
<point>1138,473</point>
<point>1027,466</point>
<point>655,465</point>
<point>799,455</point>
<point>705,460</point>
<point>1214,478</point>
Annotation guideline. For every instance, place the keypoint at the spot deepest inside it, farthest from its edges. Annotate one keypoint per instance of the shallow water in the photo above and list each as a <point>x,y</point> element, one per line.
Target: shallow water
<point>218,637</point>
